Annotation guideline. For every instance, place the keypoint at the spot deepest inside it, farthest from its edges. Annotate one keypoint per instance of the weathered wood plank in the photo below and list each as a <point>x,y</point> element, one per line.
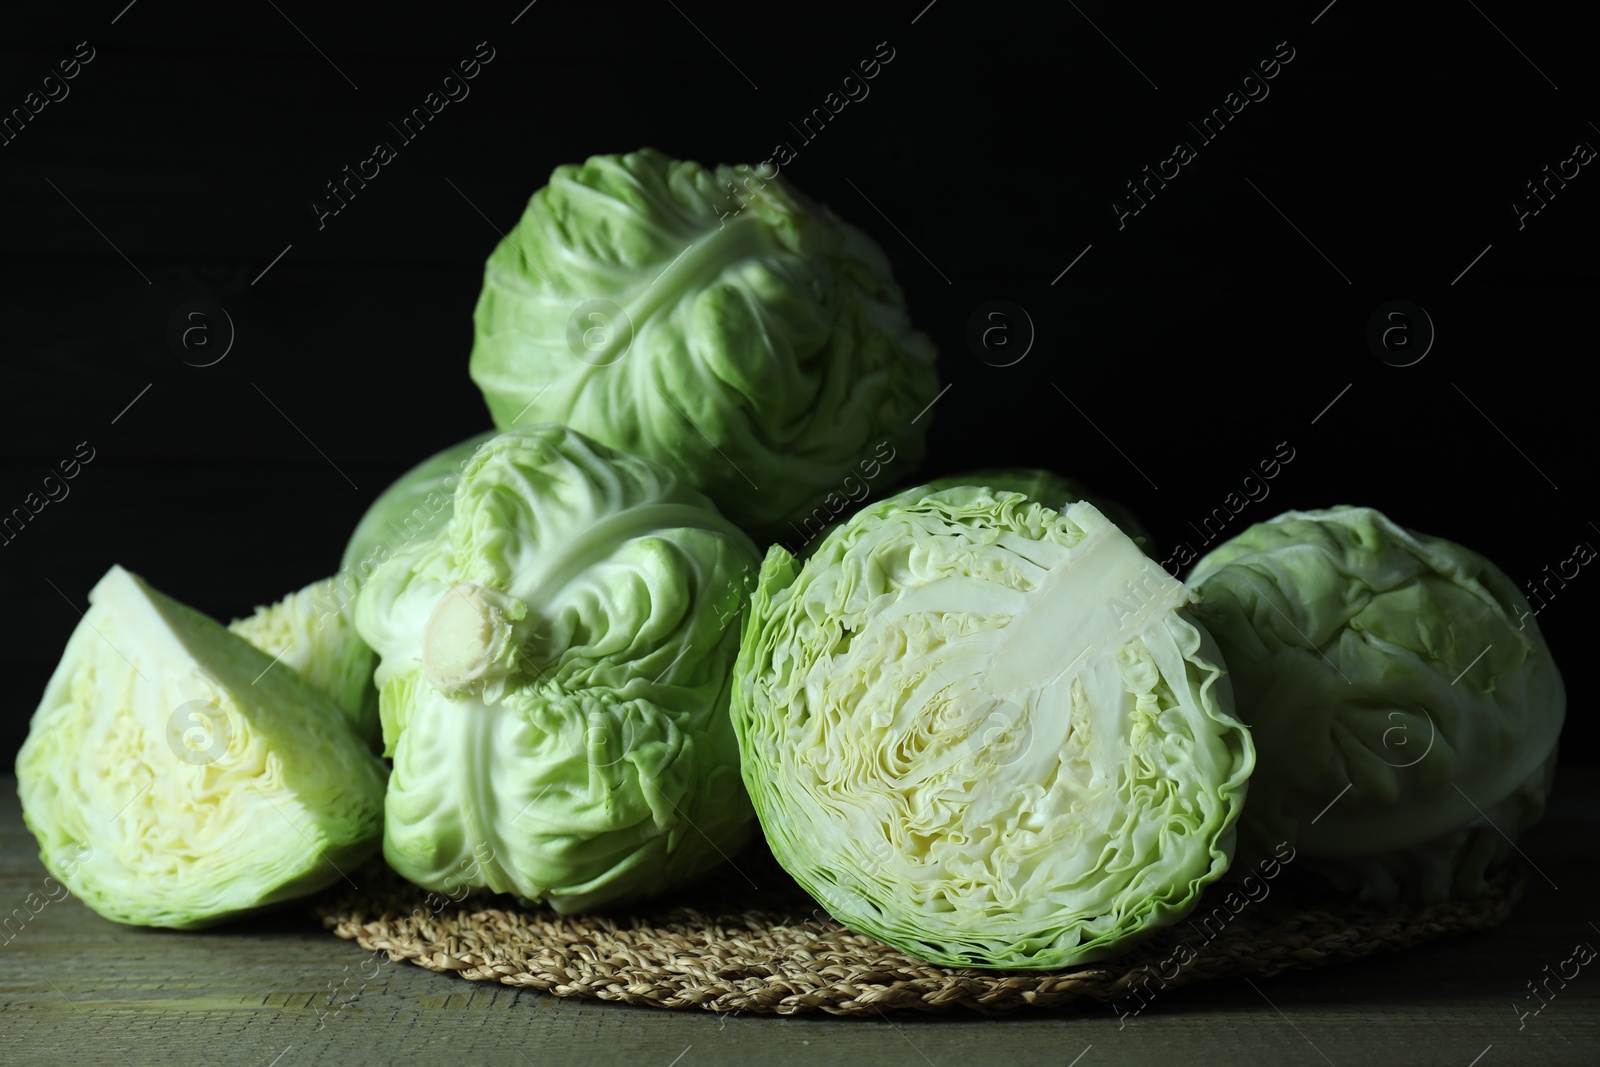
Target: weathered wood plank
<point>76,988</point>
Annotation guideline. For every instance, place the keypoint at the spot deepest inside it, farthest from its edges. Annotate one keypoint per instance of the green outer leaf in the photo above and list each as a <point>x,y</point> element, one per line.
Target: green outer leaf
<point>931,759</point>
<point>1403,675</point>
<point>554,673</point>
<point>275,797</point>
<point>769,351</point>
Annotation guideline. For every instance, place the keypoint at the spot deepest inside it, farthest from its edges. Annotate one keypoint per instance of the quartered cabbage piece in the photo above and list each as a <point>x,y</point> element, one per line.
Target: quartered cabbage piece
<point>174,776</point>
<point>987,731</point>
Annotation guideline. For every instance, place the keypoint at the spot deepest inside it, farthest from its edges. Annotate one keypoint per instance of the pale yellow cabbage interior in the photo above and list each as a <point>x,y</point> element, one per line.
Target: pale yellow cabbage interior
<point>174,776</point>
<point>993,741</point>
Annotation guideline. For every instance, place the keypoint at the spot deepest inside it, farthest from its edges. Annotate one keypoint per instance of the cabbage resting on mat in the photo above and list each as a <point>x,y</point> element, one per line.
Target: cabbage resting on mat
<point>1405,705</point>
<point>987,732</point>
<point>554,658</point>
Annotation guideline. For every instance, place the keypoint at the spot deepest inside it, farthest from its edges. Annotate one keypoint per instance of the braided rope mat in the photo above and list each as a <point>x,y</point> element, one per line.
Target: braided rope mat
<point>731,947</point>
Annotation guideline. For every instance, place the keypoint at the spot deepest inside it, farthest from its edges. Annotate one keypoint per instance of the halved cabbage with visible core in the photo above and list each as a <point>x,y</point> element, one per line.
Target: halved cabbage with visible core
<point>987,732</point>
<point>554,671</point>
<point>1404,703</point>
<point>174,776</point>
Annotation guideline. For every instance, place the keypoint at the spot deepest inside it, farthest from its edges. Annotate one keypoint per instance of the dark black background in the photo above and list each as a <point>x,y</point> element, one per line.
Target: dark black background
<point>1196,337</point>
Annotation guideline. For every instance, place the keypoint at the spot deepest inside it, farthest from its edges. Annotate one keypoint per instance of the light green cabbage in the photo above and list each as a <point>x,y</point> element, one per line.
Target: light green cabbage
<point>1404,705</point>
<point>987,732</point>
<point>554,674</point>
<point>308,632</point>
<point>172,778</point>
<point>1051,490</point>
<point>710,320</point>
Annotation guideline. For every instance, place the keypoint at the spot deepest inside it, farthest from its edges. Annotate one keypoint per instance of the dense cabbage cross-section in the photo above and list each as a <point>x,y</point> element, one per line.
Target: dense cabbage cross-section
<point>987,732</point>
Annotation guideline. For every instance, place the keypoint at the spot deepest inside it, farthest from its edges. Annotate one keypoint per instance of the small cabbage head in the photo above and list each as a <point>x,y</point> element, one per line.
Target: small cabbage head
<point>1051,490</point>
<point>173,778</point>
<point>312,631</point>
<point>1403,702</point>
<point>987,732</point>
<point>554,668</point>
<point>712,320</point>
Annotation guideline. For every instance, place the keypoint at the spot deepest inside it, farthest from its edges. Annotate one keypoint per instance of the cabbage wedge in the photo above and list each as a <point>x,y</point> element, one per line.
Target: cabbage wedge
<point>175,776</point>
<point>312,633</point>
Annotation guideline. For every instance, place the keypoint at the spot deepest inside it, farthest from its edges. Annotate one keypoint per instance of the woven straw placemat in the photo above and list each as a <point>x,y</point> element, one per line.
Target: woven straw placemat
<point>730,946</point>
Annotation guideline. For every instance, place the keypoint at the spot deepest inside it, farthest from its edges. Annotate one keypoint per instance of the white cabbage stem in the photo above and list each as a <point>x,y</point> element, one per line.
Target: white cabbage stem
<point>468,640</point>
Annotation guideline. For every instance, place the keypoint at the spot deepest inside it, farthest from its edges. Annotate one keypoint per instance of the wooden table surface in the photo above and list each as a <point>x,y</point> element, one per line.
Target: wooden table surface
<point>75,988</point>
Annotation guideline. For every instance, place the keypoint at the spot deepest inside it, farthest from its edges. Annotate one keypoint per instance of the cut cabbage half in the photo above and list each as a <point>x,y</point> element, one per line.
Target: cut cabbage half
<point>174,776</point>
<point>987,732</point>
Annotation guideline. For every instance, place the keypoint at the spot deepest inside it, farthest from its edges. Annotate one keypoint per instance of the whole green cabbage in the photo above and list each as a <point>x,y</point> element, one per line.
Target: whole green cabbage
<point>1404,705</point>
<point>711,320</point>
<point>174,777</point>
<point>986,731</point>
<point>554,671</point>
